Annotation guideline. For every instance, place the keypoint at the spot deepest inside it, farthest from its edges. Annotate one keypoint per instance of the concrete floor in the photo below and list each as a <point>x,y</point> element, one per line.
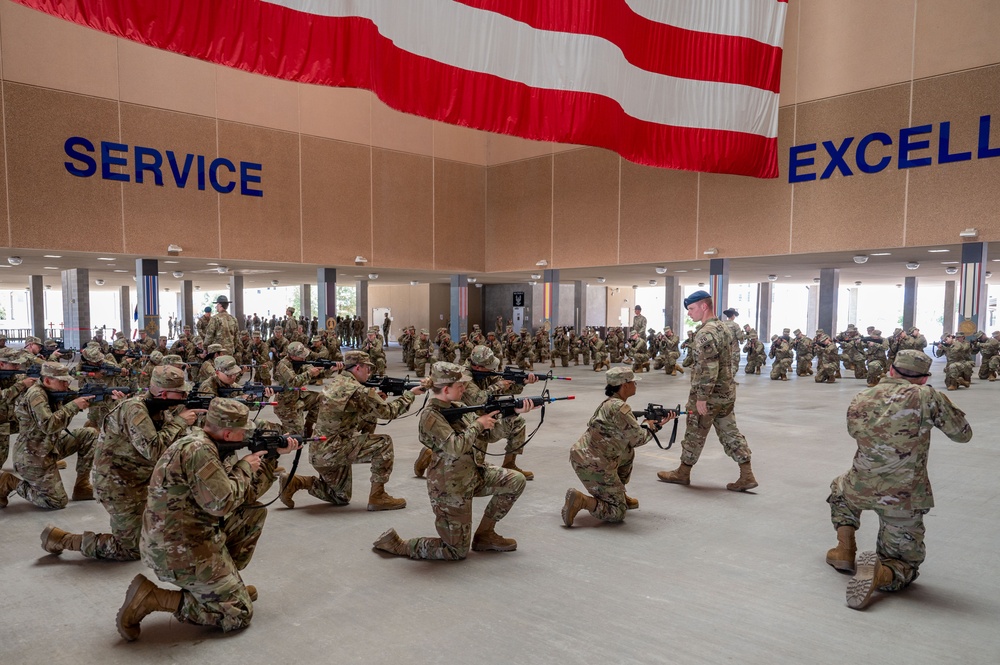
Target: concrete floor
<point>696,575</point>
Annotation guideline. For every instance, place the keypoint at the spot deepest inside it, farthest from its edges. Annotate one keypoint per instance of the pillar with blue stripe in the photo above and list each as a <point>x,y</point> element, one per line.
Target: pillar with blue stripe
<point>147,283</point>
<point>972,312</point>
<point>719,286</point>
<point>459,306</point>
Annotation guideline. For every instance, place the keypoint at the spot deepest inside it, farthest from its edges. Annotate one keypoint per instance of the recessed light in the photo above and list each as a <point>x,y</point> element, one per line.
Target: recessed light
<point>177,262</point>
<point>51,256</point>
<point>211,264</point>
<point>50,268</point>
<point>938,251</point>
<point>950,263</point>
<point>695,269</point>
<point>120,270</point>
<point>680,271</point>
<point>880,254</point>
<point>104,258</point>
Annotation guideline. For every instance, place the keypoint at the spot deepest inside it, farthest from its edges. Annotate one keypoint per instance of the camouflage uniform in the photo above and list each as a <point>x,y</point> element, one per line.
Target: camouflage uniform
<point>296,409</point>
<point>689,345</point>
<point>44,440</point>
<point>756,355</point>
<point>201,526</point>
<point>891,424</point>
<point>464,348</point>
<point>712,382</point>
<point>421,354</point>
<point>990,349</point>
<point>348,413</point>
<point>669,353</point>
<point>602,458</point>
<point>257,355</point>
<point>134,438</point>
<point>98,411</point>
<point>458,473</point>
<point>958,370</point>
<point>639,324</point>
<point>829,360</point>
<point>878,363</point>
<point>10,389</point>
<point>639,354</point>
<point>560,348</point>
<point>601,356</point>
<point>406,343</point>
<point>803,347</point>
<point>781,351</point>
<point>373,347</point>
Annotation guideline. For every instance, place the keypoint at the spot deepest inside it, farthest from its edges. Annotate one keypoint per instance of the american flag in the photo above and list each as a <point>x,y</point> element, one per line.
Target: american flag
<point>682,84</point>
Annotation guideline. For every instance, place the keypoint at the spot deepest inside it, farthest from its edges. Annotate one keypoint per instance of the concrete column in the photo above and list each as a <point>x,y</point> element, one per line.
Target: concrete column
<point>829,287</point>
<point>361,289</point>
<point>673,303</point>
<point>147,286</point>
<point>326,294</point>
<point>76,307</point>
<point>305,298</point>
<point>812,310</point>
<point>126,311</point>
<point>764,295</point>
<point>36,305</point>
<point>185,299</point>
<point>579,306</point>
<point>972,312</point>
<point>459,306</point>
<point>949,307</point>
<point>550,300</point>
<point>852,306</point>
<point>909,302</point>
<point>719,284</point>
<point>236,300</point>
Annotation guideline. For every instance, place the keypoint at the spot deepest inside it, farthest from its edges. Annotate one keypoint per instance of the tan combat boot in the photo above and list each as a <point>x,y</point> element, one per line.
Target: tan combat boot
<point>575,502</point>
<point>55,540</point>
<point>61,464</point>
<point>290,487</point>
<point>871,575</point>
<point>841,557</point>
<point>630,503</point>
<point>423,461</point>
<point>379,500</point>
<point>252,592</point>
<point>679,476</point>
<point>391,542</point>
<point>487,540</point>
<point>508,463</point>
<point>142,599</point>
<point>680,369</point>
<point>745,482</point>
<point>83,490</point>
<point>8,483</point>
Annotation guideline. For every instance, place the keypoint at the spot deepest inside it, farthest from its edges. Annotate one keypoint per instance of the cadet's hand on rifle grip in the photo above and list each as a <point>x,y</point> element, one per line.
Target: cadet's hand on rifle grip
<point>83,402</point>
<point>314,371</point>
<point>27,383</point>
<point>268,393</point>
<point>190,415</point>
<point>253,459</point>
<point>526,405</point>
<point>488,420</point>
<point>117,395</point>
<point>531,378</point>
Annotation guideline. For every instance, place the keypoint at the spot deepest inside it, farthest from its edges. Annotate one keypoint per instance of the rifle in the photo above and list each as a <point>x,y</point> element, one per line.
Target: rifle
<point>657,412</point>
<point>323,364</point>
<point>198,400</point>
<point>97,391</point>
<point>47,353</point>
<point>32,371</point>
<point>878,340</point>
<point>391,385</point>
<point>263,441</point>
<point>513,374</point>
<point>256,389</point>
<point>507,405</point>
<point>102,369</point>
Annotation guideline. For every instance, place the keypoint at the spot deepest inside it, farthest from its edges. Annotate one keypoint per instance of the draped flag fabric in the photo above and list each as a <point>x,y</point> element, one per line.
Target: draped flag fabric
<point>682,84</point>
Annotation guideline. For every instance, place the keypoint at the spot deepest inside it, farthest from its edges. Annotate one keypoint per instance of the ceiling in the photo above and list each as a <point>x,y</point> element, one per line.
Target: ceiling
<point>118,270</point>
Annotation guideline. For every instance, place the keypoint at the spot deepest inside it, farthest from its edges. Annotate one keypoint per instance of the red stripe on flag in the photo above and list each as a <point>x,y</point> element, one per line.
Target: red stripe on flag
<point>350,52</point>
<point>655,47</point>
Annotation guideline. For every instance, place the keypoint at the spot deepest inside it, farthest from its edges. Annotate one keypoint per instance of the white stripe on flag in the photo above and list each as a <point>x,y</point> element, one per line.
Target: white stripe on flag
<point>759,20</point>
<point>555,61</point>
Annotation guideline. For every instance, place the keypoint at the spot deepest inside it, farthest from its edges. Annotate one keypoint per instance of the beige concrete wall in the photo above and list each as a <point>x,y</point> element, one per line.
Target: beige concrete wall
<point>345,175</point>
<point>410,305</point>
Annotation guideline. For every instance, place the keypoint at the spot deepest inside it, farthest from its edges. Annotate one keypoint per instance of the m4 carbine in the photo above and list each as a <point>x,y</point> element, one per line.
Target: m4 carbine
<point>391,385</point>
<point>507,406</point>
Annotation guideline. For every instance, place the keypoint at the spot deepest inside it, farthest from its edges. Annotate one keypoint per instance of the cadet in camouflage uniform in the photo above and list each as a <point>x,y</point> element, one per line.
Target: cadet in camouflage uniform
<point>602,359</point>
<point>756,355</point>
<point>990,349</point>
<point>458,473</point>
<point>913,339</point>
<point>201,324</point>
<point>602,458</point>
<point>958,370</point>
<point>153,360</point>
<point>406,343</point>
<point>465,348</point>
<point>803,347</point>
<point>422,353</point>
<point>891,423</point>
<point>44,440</point>
<point>512,429</point>
<point>712,398</point>
<point>104,377</point>
<point>669,353</point>
<point>560,348</point>
<point>146,343</point>
<point>639,322</point>
<point>373,347</point>
<point>11,388</point>
<point>278,344</point>
<point>875,349</point>
<point>688,344</point>
<point>201,525</point>
<point>638,353</point>
<point>136,433</point>
<point>738,335</point>
<point>258,356</point>
<point>781,351</point>
<point>494,344</point>
<point>348,413</point>
<point>297,410</point>
<point>829,359</point>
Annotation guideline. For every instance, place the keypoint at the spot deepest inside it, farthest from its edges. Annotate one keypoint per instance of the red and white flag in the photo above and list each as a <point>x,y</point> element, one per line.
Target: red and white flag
<point>682,84</point>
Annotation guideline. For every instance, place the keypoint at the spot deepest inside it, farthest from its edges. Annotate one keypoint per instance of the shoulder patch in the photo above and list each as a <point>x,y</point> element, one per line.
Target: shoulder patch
<point>625,408</point>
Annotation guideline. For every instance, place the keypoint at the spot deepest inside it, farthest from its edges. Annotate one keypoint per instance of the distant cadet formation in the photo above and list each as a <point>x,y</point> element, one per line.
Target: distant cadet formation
<point>160,455</point>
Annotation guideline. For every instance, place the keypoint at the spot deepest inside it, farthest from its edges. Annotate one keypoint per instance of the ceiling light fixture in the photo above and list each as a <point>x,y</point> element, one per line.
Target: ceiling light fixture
<point>360,259</point>
<point>601,280</point>
<point>542,263</point>
<point>937,251</point>
<point>660,270</point>
<point>373,275</point>
<point>51,256</point>
<point>912,265</point>
<point>880,254</point>
<point>861,258</point>
<point>15,260</point>
<point>968,233</point>
<point>711,251</point>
